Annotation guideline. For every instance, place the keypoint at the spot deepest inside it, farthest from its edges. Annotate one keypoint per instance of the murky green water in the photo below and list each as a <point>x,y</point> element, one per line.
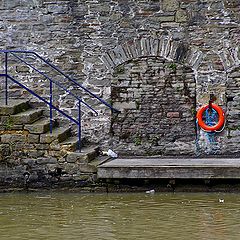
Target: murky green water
<point>119,216</point>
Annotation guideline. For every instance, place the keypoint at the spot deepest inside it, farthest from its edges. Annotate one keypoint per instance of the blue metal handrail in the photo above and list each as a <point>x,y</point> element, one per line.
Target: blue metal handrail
<point>50,103</point>
<point>62,73</point>
<point>55,82</point>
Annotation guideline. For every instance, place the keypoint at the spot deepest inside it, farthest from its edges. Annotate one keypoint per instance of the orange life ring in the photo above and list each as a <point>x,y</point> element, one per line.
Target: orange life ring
<point>218,125</point>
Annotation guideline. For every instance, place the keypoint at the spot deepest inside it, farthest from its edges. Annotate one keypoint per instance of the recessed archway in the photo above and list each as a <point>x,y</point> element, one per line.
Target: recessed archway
<point>157,102</point>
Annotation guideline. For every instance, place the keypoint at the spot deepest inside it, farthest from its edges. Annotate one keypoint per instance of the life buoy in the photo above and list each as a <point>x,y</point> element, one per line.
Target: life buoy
<point>218,125</point>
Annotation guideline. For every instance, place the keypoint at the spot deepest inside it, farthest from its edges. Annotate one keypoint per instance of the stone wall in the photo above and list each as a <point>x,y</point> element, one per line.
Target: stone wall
<point>32,157</point>
<point>91,39</point>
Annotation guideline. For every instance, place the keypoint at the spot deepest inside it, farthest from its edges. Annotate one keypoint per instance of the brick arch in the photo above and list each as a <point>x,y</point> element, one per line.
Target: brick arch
<point>211,61</point>
<point>164,47</point>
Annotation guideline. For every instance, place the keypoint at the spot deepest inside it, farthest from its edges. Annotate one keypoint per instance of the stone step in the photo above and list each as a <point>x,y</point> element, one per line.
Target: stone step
<point>86,155</point>
<point>70,144</point>
<point>40,126</point>
<point>13,107</point>
<point>27,117</point>
<point>60,134</point>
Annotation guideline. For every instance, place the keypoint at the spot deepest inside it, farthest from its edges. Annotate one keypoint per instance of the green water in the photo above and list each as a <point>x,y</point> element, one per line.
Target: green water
<point>119,216</point>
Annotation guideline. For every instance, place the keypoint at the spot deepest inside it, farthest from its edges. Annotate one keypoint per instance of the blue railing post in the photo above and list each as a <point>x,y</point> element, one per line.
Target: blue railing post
<point>79,126</point>
<point>6,78</point>
<point>50,106</point>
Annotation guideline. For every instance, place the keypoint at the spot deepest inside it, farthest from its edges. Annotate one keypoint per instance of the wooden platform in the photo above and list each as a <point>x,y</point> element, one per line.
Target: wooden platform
<point>184,168</point>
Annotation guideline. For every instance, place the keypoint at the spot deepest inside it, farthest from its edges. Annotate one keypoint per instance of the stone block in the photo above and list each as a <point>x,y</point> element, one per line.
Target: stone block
<point>71,144</point>
<point>133,49</point>
<point>56,154</point>
<point>28,116</point>
<point>15,127</point>
<point>42,146</point>
<point>154,46</point>
<point>170,5</point>
<point>181,16</point>
<point>87,155</point>
<point>54,146</point>
<point>165,46</point>
<point>47,160</point>
<point>12,4</point>
<point>167,18</point>
<point>81,177</point>
<point>13,107</point>
<point>173,49</point>
<point>33,138</point>
<point>41,126</point>
<point>144,51</point>
<point>35,153</point>
<point>4,151</point>
<point>57,9</point>
<point>86,168</point>
<point>59,134</point>
<point>13,138</point>
<point>235,133</point>
<point>23,147</point>
<point>137,45</point>
<point>120,55</point>
<point>22,69</point>
<point>170,25</point>
<point>235,74</point>
<point>77,157</point>
<point>124,105</point>
<point>29,161</point>
<point>69,168</point>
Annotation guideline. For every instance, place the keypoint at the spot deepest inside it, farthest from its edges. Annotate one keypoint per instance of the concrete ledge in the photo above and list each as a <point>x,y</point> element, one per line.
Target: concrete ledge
<point>171,168</point>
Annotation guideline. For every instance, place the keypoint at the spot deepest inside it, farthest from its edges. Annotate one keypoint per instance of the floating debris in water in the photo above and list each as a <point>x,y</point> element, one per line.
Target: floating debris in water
<point>151,191</point>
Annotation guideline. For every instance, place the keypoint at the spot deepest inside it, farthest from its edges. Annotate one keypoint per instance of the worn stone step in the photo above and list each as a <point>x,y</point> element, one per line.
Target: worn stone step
<point>40,126</point>
<point>14,106</point>
<point>59,134</point>
<point>71,144</point>
<point>29,116</point>
<point>86,155</point>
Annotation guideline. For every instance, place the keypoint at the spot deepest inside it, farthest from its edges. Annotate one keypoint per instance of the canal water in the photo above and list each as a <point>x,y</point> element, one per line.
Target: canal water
<point>64,216</point>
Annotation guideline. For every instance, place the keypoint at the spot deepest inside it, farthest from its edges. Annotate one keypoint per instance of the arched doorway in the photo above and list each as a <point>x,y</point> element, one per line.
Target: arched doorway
<point>157,100</point>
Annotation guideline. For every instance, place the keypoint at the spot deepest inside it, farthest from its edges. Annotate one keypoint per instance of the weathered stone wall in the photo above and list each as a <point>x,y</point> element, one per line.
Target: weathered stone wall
<point>90,39</point>
<point>231,142</point>
<point>60,32</point>
<point>32,157</point>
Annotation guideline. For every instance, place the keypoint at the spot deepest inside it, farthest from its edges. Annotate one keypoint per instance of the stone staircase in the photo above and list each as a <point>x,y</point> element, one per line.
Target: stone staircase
<point>31,156</point>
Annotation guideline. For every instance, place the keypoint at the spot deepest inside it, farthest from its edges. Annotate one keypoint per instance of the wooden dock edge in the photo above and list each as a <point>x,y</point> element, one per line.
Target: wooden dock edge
<point>170,172</point>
